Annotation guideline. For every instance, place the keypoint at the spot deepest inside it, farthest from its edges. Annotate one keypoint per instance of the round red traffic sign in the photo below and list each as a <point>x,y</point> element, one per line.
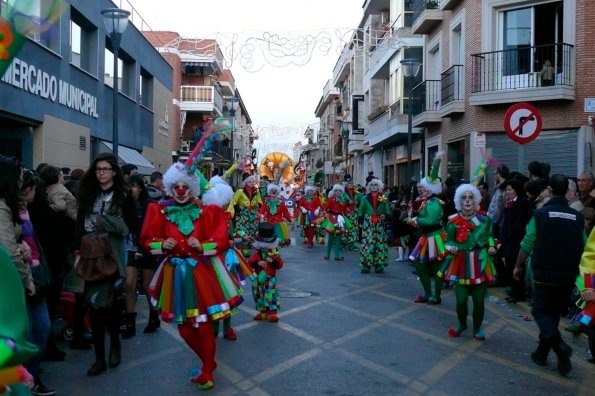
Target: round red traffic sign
<point>522,123</point>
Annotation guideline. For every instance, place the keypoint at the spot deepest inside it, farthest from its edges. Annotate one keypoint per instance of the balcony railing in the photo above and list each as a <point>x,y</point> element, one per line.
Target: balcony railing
<point>453,84</point>
<point>426,97</point>
<point>200,98</point>
<point>420,6</point>
<point>527,67</point>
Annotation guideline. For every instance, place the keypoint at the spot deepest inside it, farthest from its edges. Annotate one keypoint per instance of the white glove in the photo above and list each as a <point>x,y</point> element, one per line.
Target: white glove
<point>304,211</point>
<point>340,221</point>
<point>316,212</point>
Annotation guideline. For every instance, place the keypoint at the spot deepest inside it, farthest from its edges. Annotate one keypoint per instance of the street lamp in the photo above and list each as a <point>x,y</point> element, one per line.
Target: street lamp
<point>233,101</point>
<point>116,21</point>
<point>410,70</point>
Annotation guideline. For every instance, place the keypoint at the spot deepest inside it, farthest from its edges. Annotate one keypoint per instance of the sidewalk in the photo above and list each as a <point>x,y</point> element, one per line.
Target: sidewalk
<point>580,341</point>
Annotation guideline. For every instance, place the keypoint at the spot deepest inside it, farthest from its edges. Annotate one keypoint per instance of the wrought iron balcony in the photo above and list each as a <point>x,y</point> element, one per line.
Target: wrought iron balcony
<point>426,103</point>
<point>453,90</point>
<point>426,16</point>
<point>543,72</point>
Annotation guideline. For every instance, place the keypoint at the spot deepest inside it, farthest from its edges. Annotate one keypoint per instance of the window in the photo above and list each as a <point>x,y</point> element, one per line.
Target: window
<point>83,42</point>
<point>109,70</point>
<point>145,89</point>
<point>43,16</point>
<point>126,73</point>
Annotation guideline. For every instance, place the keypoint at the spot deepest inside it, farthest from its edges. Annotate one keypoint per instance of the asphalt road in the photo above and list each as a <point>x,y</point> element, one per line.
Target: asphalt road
<point>340,333</point>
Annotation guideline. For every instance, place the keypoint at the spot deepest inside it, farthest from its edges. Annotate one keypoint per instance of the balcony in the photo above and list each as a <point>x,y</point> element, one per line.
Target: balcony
<point>355,144</point>
<point>426,103</point>
<point>449,4</point>
<point>453,91</point>
<point>200,98</point>
<point>544,72</point>
<point>426,16</point>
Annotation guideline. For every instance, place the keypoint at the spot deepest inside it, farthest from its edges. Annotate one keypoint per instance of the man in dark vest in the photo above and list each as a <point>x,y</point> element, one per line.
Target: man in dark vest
<point>555,241</point>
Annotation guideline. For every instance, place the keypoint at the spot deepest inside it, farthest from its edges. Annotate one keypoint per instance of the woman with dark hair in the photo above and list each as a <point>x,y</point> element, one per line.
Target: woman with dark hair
<point>106,205</point>
<point>138,260</point>
<point>517,213</point>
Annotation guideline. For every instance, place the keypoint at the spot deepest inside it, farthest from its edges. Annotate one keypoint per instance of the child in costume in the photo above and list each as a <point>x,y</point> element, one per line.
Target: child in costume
<point>244,208</point>
<point>429,250</point>
<point>586,285</point>
<point>192,286</point>
<point>273,210</point>
<point>266,261</point>
<point>470,263</point>
<point>335,222</point>
<point>350,237</point>
<point>309,208</point>
<point>373,208</point>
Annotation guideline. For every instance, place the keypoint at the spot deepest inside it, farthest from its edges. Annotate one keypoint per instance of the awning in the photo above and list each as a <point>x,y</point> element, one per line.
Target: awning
<point>130,156</point>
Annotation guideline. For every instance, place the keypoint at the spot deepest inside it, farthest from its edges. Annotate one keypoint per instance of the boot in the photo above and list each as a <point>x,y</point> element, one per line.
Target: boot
<point>130,330</point>
<point>539,357</point>
<point>399,253</point>
<point>564,352</point>
<point>154,322</point>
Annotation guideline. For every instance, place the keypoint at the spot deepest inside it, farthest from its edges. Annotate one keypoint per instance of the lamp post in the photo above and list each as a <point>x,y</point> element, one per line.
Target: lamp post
<point>233,101</point>
<point>116,21</point>
<point>410,70</point>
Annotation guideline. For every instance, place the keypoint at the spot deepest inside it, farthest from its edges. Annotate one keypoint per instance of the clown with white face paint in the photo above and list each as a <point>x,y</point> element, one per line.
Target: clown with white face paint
<point>351,237</point>
<point>244,208</point>
<point>470,263</point>
<point>429,250</point>
<point>336,222</point>
<point>192,286</point>
<point>308,209</point>
<point>373,208</point>
<point>273,210</point>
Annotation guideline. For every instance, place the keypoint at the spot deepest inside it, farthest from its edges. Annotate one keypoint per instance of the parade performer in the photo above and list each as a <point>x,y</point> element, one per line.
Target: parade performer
<point>273,210</point>
<point>586,285</point>
<point>266,261</point>
<point>429,250</point>
<point>263,185</point>
<point>309,208</point>
<point>373,208</point>
<point>244,208</point>
<point>352,235</point>
<point>319,193</point>
<point>192,286</point>
<point>335,222</point>
<point>470,263</point>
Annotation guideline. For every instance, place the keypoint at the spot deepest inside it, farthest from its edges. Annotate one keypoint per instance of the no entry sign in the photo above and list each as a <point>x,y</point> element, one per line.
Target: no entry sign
<point>522,123</point>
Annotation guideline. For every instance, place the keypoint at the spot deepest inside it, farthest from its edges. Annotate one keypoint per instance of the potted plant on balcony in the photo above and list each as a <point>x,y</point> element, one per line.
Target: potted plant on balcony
<point>432,5</point>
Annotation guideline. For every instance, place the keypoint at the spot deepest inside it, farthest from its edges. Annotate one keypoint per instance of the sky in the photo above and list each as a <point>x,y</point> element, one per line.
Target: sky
<point>280,85</point>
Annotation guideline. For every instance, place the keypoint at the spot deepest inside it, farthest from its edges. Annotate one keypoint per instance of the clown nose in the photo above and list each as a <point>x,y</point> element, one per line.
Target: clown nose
<point>181,191</point>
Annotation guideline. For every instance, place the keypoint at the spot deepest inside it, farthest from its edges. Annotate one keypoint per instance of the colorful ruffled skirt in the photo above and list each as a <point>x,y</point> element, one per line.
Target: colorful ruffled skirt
<point>282,233</point>
<point>430,247</point>
<point>331,225</point>
<point>194,291</point>
<point>471,267</point>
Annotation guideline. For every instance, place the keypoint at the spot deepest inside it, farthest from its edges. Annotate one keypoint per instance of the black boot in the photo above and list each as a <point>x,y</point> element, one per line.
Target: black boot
<point>130,330</point>
<point>154,322</point>
<point>564,353</point>
<point>540,355</point>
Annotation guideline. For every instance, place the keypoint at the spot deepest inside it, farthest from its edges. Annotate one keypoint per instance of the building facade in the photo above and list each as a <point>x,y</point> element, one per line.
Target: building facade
<point>56,96</point>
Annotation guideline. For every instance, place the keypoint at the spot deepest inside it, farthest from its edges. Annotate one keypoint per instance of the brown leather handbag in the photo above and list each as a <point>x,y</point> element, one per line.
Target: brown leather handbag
<point>97,261</point>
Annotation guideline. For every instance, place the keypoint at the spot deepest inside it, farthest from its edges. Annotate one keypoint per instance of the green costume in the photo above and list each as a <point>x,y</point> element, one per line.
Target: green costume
<point>374,249</point>
<point>15,349</point>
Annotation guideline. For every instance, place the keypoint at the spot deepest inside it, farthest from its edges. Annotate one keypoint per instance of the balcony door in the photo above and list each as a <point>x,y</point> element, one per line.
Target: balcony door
<point>528,36</point>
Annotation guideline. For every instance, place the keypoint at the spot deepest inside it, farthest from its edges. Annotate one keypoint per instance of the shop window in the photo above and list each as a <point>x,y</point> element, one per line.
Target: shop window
<point>458,163</point>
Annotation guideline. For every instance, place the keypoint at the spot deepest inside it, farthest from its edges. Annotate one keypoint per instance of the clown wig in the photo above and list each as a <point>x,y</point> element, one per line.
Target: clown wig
<point>248,179</point>
<point>178,173</point>
<point>379,183</point>
<point>220,193</point>
<point>273,186</point>
<point>463,188</point>
<point>308,189</point>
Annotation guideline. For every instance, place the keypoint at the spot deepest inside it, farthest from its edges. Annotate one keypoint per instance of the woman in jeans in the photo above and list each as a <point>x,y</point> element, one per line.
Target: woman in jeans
<point>105,205</point>
<point>18,188</point>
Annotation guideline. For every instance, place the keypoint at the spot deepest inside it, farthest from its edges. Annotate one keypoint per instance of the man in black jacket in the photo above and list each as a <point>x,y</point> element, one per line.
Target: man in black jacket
<point>555,241</point>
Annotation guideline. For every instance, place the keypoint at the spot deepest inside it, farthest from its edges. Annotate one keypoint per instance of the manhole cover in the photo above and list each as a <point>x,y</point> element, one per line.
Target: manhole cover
<point>294,293</point>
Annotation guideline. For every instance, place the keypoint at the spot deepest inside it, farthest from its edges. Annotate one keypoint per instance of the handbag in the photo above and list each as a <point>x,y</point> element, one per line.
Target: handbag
<point>97,261</point>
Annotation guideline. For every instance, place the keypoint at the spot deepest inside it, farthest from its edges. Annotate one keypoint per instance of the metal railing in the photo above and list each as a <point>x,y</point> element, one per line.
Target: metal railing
<point>426,97</point>
<point>420,6</point>
<point>452,84</point>
<point>527,67</point>
<point>201,94</point>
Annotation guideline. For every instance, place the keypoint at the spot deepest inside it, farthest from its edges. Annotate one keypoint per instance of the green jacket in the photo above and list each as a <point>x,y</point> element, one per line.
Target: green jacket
<point>367,209</point>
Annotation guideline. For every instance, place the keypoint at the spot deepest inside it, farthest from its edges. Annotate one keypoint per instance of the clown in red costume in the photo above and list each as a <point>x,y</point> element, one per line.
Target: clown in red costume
<point>273,210</point>
<point>192,286</point>
<point>309,207</point>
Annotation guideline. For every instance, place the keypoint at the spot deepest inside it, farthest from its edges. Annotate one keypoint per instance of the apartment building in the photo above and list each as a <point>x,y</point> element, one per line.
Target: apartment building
<point>482,57</point>
<point>56,96</point>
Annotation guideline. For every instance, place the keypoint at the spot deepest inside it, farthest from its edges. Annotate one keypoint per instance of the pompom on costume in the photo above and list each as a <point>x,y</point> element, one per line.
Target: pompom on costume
<point>470,265</point>
<point>273,210</point>
<point>192,286</point>
<point>429,250</point>
<point>309,210</point>
<point>265,262</point>
<point>373,208</point>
